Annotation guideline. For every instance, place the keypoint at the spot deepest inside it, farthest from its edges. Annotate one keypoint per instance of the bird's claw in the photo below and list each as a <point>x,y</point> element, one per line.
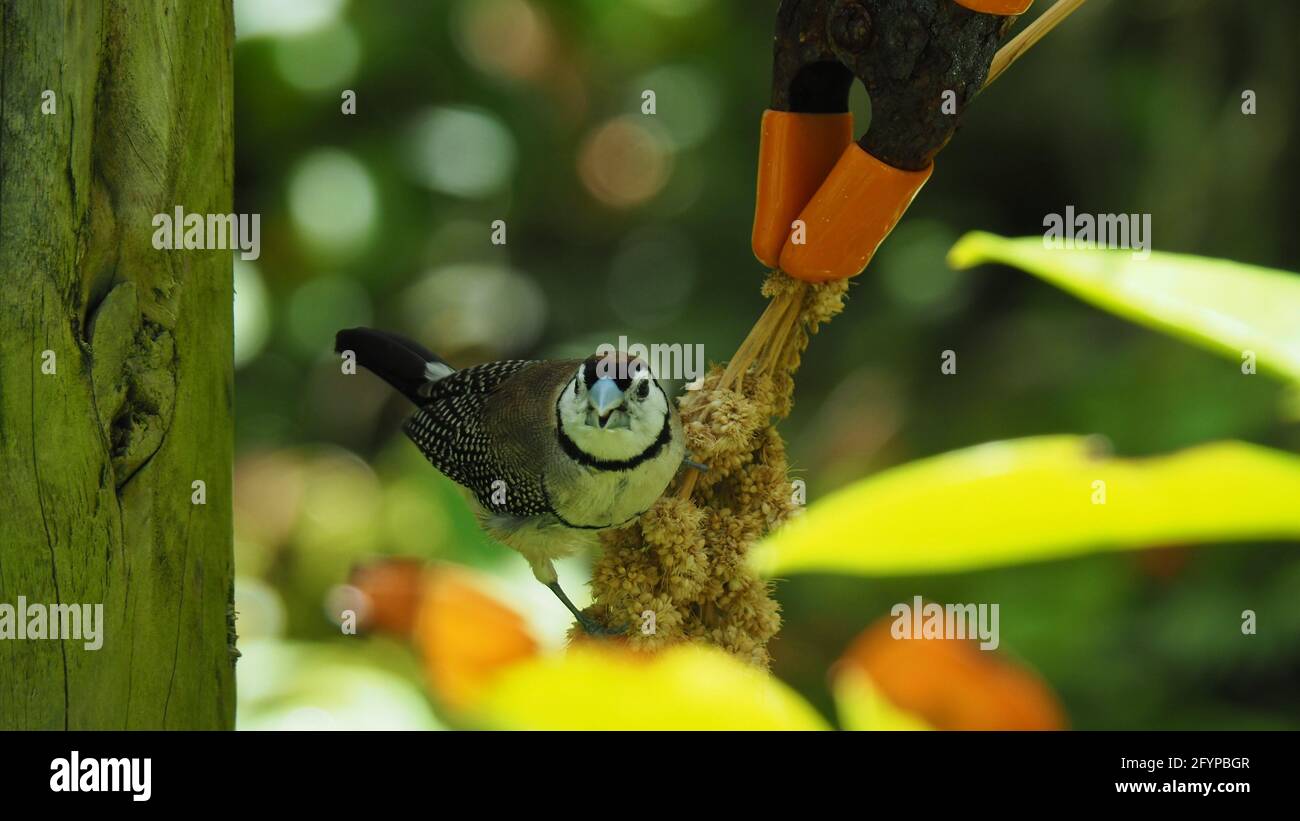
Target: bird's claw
<point>593,628</point>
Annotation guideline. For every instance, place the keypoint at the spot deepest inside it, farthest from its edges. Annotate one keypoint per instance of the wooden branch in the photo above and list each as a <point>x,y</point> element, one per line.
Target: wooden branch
<point>1025,40</point>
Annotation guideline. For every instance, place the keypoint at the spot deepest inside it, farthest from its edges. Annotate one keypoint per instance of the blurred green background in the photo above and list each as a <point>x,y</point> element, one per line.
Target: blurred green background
<point>621,223</point>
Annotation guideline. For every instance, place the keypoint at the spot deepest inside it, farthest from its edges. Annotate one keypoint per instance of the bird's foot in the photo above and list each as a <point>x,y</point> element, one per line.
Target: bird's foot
<point>694,465</point>
<point>594,628</point>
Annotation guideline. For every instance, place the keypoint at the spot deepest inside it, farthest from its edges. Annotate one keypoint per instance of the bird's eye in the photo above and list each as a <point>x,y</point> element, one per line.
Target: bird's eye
<point>643,390</point>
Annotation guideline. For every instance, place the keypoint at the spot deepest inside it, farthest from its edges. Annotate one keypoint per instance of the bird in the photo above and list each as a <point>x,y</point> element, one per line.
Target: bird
<point>553,451</point>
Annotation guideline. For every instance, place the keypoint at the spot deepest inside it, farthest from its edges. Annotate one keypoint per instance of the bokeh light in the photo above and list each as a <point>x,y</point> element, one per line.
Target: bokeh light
<point>462,151</point>
<point>486,310</point>
<point>625,162</point>
<point>297,686</point>
<point>506,38</point>
<point>252,312</point>
<point>257,18</point>
<point>268,496</point>
<point>341,504</point>
<point>260,608</point>
<point>322,60</point>
<point>686,102</point>
<point>332,200</point>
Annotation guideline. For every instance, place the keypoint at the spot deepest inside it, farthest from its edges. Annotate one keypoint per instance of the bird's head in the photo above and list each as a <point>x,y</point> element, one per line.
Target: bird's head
<point>613,408</point>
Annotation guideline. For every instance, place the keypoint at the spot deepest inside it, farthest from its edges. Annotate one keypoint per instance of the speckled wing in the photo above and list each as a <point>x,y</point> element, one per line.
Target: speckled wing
<point>453,431</point>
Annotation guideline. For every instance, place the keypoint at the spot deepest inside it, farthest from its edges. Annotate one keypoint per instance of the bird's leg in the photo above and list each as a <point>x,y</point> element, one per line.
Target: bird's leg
<point>544,571</point>
<point>588,624</point>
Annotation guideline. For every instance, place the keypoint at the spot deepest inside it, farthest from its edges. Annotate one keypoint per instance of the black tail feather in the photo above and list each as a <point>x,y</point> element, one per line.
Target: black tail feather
<point>397,360</point>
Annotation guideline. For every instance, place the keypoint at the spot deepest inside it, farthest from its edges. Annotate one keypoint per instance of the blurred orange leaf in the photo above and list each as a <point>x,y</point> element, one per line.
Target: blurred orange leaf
<point>947,684</point>
<point>388,594</point>
<point>465,635</point>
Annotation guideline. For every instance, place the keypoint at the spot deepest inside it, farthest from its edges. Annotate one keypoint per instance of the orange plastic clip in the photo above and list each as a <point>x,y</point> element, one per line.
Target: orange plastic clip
<point>999,7</point>
<point>852,212</point>
<point>795,153</point>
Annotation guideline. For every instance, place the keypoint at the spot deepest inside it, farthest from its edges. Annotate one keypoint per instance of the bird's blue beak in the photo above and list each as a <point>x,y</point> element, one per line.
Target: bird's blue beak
<point>604,397</point>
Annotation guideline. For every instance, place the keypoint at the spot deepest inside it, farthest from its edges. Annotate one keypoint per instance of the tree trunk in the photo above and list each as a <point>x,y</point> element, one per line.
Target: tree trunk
<point>115,361</point>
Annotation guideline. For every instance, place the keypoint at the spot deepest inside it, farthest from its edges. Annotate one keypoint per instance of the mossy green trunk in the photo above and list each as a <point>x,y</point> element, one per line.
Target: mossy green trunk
<point>115,360</point>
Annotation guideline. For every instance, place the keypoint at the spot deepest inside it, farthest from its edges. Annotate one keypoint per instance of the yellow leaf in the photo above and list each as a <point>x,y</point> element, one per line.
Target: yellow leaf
<point>1218,304</point>
<point>687,687</point>
<point>862,706</point>
<point>1035,499</point>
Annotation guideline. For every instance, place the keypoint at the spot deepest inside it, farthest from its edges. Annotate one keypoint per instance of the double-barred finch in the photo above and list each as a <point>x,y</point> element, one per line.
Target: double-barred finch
<point>554,451</point>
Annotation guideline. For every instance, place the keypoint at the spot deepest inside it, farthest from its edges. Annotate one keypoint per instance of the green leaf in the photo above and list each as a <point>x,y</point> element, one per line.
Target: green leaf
<point>687,687</point>
<point>1225,306</point>
<point>1035,499</point>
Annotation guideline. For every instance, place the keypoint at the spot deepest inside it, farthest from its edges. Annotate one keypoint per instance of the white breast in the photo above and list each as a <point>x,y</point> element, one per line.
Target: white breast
<point>587,497</point>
